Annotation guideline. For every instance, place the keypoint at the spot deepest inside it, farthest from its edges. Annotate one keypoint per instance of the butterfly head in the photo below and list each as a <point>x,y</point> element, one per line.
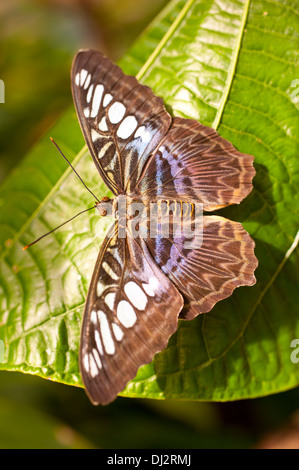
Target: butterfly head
<point>105,206</point>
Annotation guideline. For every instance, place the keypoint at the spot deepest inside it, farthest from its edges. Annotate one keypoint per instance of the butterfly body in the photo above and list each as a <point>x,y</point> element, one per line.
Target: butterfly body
<point>149,273</point>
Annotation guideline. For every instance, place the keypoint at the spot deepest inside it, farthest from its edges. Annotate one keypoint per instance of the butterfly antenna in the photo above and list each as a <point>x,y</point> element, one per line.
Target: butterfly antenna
<point>38,239</point>
<point>73,169</point>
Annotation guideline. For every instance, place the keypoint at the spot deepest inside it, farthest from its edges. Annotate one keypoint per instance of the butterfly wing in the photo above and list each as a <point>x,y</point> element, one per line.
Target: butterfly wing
<point>131,311</point>
<point>193,163</point>
<point>208,273</point>
<point>122,120</point>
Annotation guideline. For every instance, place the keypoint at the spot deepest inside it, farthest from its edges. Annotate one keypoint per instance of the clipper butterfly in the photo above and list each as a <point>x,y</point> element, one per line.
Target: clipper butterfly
<point>142,285</point>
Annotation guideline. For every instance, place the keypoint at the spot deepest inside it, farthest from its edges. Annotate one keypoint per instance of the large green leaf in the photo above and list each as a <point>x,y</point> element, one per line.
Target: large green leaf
<point>230,65</point>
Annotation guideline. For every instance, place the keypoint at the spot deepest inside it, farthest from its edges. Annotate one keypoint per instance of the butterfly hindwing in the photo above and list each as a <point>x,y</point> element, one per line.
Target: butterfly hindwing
<point>210,270</point>
<point>121,119</point>
<point>131,311</point>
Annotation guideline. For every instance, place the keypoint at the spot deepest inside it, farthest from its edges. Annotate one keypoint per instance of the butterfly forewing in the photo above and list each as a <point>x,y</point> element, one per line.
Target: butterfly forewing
<point>131,311</point>
<point>193,163</point>
<point>122,120</point>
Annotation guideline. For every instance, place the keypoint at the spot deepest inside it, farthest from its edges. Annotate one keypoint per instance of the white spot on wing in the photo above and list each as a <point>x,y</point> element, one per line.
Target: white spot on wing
<point>89,93</point>
<point>146,136</point>
<point>97,358</point>
<point>116,112</point>
<point>86,362</point>
<point>93,317</point>
<point>98,342</point>
<point>86,112</point>
<point>103,125</point>
<point>151,287</point>
<point>107,99</point>
<point>95,135</point>
<point>143,133</point>
<point>109,299</point>
<point>117,331</point>
<point>93,367</point>
<point>154,283</point>
<point>83,75</point>
<point>87,82</point>
<point>109,271</point>
<point>126,314</point>
<point>136,295</point>
<point>106,333</point>
<point>96,101</point>
<point>148,290</point>
<point>101,154</point>
<point>100,288</point>
<point>162,149</point>
<point>77,79</point>
<point>127,127</point>
<point>139,131</point>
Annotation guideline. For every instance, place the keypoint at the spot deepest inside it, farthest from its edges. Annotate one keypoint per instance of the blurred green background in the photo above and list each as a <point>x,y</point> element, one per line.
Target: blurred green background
<point>38,40</point>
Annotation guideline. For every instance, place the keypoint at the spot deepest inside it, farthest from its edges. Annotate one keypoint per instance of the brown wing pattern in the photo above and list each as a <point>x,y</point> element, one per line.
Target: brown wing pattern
<point>131,310</point>
<point>194,164</point>
<point>210,273</point>
<point>139,286</point>
<point>122,120</point>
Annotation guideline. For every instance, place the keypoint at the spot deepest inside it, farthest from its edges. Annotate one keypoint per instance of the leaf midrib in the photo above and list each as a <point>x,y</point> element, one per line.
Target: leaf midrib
<point>165,39</point>
<point>232,67</point>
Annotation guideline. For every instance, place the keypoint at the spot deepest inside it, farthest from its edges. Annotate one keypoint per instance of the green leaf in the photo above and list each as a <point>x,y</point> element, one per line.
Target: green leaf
<point>230,66</point>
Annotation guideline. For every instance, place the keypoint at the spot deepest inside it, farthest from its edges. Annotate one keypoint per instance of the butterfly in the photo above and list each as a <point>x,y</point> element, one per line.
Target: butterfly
<point>141,285</point>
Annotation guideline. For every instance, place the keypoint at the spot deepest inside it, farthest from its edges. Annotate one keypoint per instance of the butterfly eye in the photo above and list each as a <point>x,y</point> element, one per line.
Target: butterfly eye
<point>102,208</point>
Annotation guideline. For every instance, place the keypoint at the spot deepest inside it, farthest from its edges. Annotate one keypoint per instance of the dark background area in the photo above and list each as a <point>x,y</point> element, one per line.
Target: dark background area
<point>38,40</point>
